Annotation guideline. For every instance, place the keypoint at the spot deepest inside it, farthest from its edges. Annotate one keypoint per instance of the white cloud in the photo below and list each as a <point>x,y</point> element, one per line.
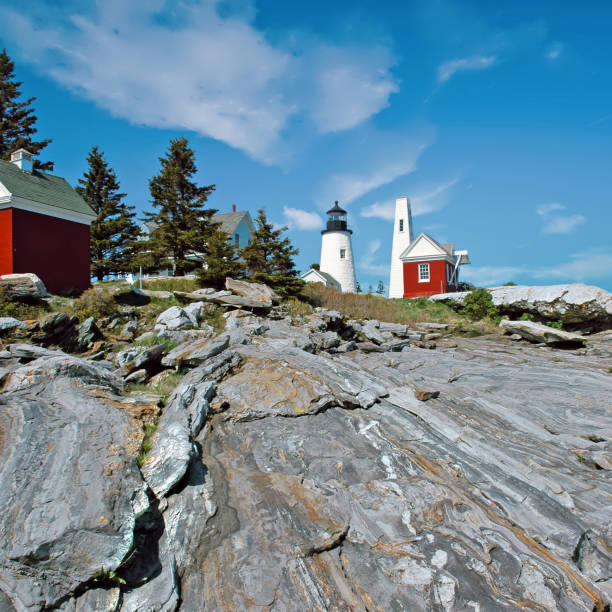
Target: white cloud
<point>554,51</point>
<point>448,69</point>
<point>381,210</point>
<point>191,68</point>
<point>369,265</point>
<point>490,276</point>
<point>302,219</point>
<point>424,202</point>
<point>373,246</point>
<point>581,267</point>
<point>546,209</point>
<point>556,223</point>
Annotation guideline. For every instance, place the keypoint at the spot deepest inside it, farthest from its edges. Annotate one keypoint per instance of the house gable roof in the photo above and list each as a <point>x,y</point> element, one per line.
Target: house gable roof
<point>424,247</point>
<point>42,188</point>
<point>230,221</point>
<point>323,277</point>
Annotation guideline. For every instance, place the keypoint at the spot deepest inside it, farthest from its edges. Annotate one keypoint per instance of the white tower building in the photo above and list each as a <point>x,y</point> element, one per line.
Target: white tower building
<point>402,237</point>
<point>336,250</point>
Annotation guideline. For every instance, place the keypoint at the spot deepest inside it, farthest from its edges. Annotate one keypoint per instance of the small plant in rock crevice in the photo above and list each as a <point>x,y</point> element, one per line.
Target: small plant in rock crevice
<point>479,304</point>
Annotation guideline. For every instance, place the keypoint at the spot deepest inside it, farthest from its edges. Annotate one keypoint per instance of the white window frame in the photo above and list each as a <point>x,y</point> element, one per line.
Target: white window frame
<point>342,253</point>
<point>422,270</point>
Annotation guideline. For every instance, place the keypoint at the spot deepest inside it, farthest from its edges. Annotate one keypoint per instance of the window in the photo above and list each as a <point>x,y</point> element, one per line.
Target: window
<point>342,253</point>
<point>236,239</point>
<point>424,273</point>
<point>401,225</point>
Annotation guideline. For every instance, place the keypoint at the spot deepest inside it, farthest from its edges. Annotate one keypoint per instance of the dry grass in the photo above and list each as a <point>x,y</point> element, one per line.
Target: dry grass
<point>368,306</point>
<point>175,283</point>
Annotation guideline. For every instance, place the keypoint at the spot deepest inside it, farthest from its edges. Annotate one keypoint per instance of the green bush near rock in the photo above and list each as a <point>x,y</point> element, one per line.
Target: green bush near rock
<point>96,303</point>
<point>479,304</point>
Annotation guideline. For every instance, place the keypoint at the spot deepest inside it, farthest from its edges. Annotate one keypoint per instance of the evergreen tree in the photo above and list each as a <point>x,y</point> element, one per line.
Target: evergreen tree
<point>182,225</point>
<point>114,232</point>
<point>221,261</point>
<point>17,119</point>
<point>358,289</point>
<point>380,289</point>
<point>269,258</point>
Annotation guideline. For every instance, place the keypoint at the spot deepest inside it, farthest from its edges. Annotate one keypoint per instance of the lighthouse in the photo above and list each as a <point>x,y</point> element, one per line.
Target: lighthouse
<point>402,237</point>
<point>336,250</point>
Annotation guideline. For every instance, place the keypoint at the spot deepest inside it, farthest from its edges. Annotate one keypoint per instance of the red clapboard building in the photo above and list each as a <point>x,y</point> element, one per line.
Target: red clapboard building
<point>44,226</point>
<point>429,267</point>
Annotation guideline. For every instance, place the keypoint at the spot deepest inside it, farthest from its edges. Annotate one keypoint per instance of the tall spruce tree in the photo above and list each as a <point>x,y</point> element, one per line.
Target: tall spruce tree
<point>221,261</point>
<point>17,118</point>
<point>269,258</point>
<point>114,232</point>
<point>182,225</point>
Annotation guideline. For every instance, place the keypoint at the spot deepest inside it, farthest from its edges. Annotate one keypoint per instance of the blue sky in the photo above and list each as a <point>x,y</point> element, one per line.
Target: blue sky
<point>494,118</point>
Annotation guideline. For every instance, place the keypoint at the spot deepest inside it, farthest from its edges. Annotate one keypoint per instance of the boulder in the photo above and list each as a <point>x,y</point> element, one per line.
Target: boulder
<point>253,291</point>
<point>536,332</point>
<point>129,330</point>
<point>194,353</point>
<point>137,357</point>
<point>371,332</point>
<point>574,303</point>
<point>195,312</point>
<point>174,318</point>
<point>9,324</point>
<point>87,334</point>
<point>23,286</point>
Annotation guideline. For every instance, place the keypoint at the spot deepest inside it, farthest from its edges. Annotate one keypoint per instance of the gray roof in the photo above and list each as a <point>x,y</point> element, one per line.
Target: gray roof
<point>42,188</point>
<point>328,277</point>
<point>229,221</point>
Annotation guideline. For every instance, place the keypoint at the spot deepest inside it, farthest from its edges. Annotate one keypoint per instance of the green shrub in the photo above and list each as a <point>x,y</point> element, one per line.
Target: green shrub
<point>526,316</point>
<point>479,304</point>
<point>96,303</point>
<point>10,307</point>
<point>555,324</point>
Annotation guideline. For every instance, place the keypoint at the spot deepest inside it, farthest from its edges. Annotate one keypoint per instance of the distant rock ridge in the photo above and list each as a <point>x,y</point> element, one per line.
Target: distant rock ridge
<point>305,462</point>
<point>574,304</point>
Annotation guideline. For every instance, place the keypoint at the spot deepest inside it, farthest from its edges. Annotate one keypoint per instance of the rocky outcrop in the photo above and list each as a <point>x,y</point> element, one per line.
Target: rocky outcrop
<point>572,304</point>
<point>71,490</point>
<point>23,286</point>
<point>300,465</point>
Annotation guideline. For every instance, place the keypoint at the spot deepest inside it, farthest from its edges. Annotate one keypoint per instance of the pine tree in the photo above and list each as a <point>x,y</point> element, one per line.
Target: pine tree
<point>182,225</point>
<point>114,232</point>
<point>358,290</point>
<point>380,289</point>
<point>17,119</point>
<point>269,258</point>
<point>221,261</point>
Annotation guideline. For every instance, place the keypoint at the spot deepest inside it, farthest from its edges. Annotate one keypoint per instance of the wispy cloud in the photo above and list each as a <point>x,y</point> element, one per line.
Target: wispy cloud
<point>198,68</point>
<point>554,51</point>
<point>556,223</point>
<point>582,267</point>
<point>448,69</point>
<point>302,219</point>
<point>423,202</point>
<point>368,263</point>
<point>386,162</point>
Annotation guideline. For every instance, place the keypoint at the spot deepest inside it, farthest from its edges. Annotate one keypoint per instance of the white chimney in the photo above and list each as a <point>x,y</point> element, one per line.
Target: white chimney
<point>23,159</point>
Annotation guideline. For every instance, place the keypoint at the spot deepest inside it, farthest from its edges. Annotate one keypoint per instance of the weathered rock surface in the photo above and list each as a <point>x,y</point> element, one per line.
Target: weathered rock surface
<point>576,303</point>
<point>70,491</point>
<point>289,479</point>
<point>172,319</point>
<point>8,324</point>
<point>252,291</point>
<point>536,332</point>
<point>23,286</point>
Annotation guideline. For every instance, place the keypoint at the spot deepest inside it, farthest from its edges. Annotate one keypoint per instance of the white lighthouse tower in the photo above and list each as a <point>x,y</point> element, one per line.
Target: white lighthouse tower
<point>336,250</point>
<point>402,237</point>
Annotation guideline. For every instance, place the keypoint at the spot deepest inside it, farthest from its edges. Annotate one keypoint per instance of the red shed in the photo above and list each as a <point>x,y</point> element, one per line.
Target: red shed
<point>430,267</point>
<point>44,226</point>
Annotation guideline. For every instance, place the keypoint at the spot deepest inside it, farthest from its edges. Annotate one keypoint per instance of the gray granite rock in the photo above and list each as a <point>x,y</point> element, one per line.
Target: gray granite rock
<point>23,286</point>
<point>8,324</point>
<point>129,330</point>
<point>371,332</point>
<point>195,312</point>
<point>68,502</point>
<point>536,332</point>
<point>138,357</point>
<point>194,353</point>
<point>174,318</point>
<point>575,303</point>
<point>257,292</point>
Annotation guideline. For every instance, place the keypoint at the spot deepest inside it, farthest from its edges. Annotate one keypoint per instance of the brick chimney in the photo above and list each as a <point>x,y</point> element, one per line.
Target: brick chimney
<point>233,208</point>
